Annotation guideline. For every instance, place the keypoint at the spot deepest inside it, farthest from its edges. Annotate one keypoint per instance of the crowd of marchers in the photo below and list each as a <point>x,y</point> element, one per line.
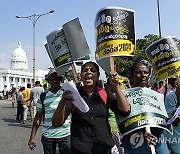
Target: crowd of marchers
<point>95,132</point>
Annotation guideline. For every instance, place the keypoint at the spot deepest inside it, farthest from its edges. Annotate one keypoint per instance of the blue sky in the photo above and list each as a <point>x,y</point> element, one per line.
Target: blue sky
<point>13,30</point>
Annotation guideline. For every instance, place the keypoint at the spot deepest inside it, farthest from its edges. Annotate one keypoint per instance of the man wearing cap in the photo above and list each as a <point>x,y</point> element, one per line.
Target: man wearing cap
<point>51,136</point>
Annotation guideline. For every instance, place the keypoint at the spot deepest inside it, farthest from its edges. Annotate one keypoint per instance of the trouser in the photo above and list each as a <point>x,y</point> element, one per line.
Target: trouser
<point>50,144</point>
<point>26,108</point>
<point>34,111</point>
<point>13,101</point>
<point>97,148</point>
<point>19,111</point>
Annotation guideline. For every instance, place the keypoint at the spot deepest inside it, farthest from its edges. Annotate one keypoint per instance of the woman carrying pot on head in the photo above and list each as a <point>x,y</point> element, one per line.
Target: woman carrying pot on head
<point>90,131</point>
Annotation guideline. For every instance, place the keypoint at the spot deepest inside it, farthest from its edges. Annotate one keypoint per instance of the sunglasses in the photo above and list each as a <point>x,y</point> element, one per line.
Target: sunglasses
<point>145,62</point>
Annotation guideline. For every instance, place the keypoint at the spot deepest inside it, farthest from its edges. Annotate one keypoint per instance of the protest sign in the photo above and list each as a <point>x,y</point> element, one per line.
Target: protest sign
<point>76,40</point>
<point>66,45</point>
<point>104,64</point>
<point>164,55</point>
<point>115,33</point>
<point>147,109</point>
<point>61,65</point>
<point>58,48</point>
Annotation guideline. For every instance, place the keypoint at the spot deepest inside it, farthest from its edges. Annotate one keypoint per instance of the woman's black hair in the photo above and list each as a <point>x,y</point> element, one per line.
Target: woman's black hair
<point>95,65</point>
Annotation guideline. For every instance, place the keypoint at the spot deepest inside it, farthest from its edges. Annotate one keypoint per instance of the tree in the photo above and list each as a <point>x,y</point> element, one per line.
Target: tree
<point>142,44</point>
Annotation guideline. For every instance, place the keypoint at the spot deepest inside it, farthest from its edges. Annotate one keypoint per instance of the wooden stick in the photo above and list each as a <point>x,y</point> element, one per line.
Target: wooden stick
<point>148,129</point>
<point>112,64</point>
<point>178,80</point>
<point>178,83</point>
<point>74,71</point>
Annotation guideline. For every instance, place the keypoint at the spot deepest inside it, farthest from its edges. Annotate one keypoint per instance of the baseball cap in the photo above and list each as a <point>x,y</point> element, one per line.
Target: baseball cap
<point>51,71</point>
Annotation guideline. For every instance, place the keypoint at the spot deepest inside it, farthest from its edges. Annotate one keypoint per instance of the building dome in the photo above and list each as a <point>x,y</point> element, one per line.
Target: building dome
<point>19,59</point>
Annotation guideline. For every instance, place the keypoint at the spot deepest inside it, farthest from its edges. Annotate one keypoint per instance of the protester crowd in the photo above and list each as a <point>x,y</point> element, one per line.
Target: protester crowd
<point>65,126</point>
<point>25,99</point>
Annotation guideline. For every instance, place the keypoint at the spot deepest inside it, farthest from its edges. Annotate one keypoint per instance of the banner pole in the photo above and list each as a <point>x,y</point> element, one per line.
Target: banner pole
<point>74,71</point>
<point>148,129</point>
<point>177,79</point>
<point>178,83</point>
<point>111,58</point>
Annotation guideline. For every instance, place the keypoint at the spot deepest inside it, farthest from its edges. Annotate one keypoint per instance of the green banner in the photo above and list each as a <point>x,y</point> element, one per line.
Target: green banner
<point>147,109</point>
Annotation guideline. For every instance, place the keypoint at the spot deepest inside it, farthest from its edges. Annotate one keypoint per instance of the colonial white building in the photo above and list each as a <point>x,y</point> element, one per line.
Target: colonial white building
<point>18,74</point>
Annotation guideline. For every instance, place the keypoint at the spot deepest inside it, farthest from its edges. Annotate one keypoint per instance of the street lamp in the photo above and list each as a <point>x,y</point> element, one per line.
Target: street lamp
<point>34,18</point>
<point>159,20</point>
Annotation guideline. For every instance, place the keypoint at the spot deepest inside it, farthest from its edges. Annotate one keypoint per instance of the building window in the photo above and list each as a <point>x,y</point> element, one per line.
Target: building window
<point>10,79</point>
<point>28,80</point>
<point>23,79</point>
<point>4,78</point>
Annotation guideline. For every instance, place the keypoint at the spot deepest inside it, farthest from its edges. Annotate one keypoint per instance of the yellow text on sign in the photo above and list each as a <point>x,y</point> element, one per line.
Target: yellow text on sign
<point>65,56</point>
<point>115,48</point>
<point>167,71</point>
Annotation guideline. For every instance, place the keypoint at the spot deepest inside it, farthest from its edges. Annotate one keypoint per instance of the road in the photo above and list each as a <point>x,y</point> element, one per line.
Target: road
<point>14,136</point>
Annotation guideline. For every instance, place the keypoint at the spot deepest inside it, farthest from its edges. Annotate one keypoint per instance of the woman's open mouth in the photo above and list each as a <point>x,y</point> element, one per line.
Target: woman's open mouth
<point>89,79</point>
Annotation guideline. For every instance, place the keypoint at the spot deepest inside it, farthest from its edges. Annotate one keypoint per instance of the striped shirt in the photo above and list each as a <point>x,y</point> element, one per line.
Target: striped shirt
<point>51,102</point>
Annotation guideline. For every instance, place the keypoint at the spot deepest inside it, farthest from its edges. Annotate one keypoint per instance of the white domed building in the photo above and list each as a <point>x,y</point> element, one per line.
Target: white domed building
<point>19,59</point>
<point>18,74</point>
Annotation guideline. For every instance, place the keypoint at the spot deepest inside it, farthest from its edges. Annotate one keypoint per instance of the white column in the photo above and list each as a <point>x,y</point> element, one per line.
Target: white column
<point>7,83</point>
<point>26,82</point>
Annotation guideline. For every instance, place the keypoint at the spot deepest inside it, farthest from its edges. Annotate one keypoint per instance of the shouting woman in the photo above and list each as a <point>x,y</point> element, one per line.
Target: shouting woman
<point>90,132</point>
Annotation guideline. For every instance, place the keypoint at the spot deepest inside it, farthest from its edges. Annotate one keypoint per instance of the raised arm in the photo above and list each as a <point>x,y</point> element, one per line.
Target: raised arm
<point>122,102</point>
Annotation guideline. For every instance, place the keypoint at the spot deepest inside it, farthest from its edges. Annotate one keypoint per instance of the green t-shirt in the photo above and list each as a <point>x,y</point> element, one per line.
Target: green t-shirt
<point>51,102</point>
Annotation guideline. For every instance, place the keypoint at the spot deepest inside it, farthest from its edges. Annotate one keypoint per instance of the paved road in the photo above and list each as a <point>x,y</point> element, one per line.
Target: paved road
<point>13,135</point>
